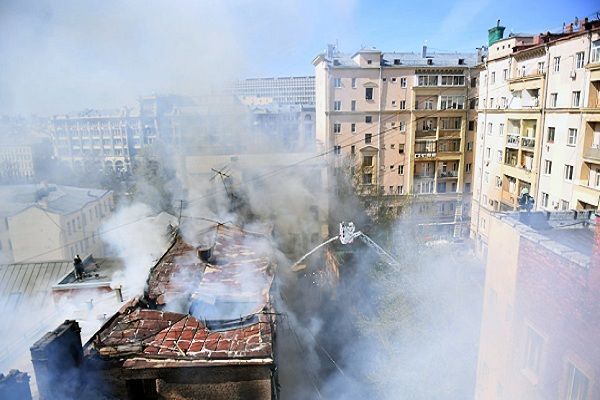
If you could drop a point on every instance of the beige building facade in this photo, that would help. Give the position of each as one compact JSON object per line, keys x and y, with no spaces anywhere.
{"x":403,"y":125}
{"x":538,"y":130}
{"x":52,"y":222}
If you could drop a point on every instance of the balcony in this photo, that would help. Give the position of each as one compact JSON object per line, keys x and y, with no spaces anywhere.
{"x":425,"y":134}
{"x":447,"y":174}
{"x":528,"y":143}
{"x":592,"y":153}
{"x":533,"y":80}
{"x":512,"y":140}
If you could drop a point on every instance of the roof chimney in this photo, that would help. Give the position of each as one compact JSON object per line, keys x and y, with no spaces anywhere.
{"x":424,"y":52}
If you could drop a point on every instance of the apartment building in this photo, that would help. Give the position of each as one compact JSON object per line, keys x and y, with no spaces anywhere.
{"x":290,"y":90}
{"x":48,"y":222}
{"x":541,"y":320}
{"x":110,"y":139}
{"x":22,"y":158}
{"x":404,"y":125}
{"x":538,"y":126}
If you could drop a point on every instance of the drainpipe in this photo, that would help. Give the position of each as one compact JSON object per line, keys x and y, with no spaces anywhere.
{"x":542,"y":123}
{"x":487,"y":86}
{"x":380,"y":152}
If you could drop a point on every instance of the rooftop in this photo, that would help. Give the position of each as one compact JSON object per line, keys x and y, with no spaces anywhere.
{"x":569,"y":234}
{"x":55,"y":199}
{"x":409,"y":59}
{"x":206,"y":303}
{"x":98,"y":272}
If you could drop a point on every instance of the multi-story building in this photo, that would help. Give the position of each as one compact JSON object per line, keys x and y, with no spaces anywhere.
{"x":293,"y":90}
{"x":541,"y":319}
{"x":404,"y":124}
{"x":111,"y":138}
{"x":51,"y":222}
{"x":22,"y":158}
{"x":538,"y":123}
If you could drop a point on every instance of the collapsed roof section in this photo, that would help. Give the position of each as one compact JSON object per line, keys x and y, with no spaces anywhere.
{"x":205,"y":304}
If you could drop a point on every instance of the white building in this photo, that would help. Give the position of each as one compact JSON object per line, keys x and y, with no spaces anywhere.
{"x":51,"y":222}
{"x":539,"y":123}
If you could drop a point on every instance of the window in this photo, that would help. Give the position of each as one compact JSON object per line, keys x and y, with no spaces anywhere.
{"x":401,"y":148}
{"x":427,"y":80}
{"x":337,"y":150}
{"x":369,"y":62}
{"x":575,"y":99}
{"x":337,"y":82}
{"x":474,"y":82}
{"x":572,"y":140}
{"x":337,"y":105}
{"x":550,"y":136}
{"x":568,"y":172}
{"x":486,"y":177}
{"x":469,"y":146}
{"x":556,"y":64}
{"x":353,"y":149}
{"x":493,"y":80}
{"x":533,"y":351}
{"x":471,"y":125}
{"x":393,"y":80}
{"x":490,"y":128}
{"x":367,"y":161}
{"x":501,"y":130}
{"x":353,"y":105}
{"x":428,"y":104}
{"x":337,"y":128}
{"x":564,"y":205}
{"x":468,"y":168}
{"x":505,"y":74}
{"x":402,"y":105}
{"x":452,"y":102}
{"x":547,"y":167}
{"x":577,"y":385}
{"x":553,"y":99}
{"x":402,"y":126}
{"x":368,"y":137}
{"x":453,"y":80}
{"x":369,"y":93}
{"x":491,"y":102}
{"x":400,"y":169}
{"x":403,"y":82}
{"x":579,"y":58}
{"x":353,"y":83}
{"x":368,"y":119}
{"x":545,"y":199}
{"x":488,"y":152}
{"x":499,"y":156}
{"x":367,"y":179}
{"x":353,"y":128}
{"x":541,"y":66}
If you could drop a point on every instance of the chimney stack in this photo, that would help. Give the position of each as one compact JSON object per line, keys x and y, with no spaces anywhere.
{"x":424,"y":51}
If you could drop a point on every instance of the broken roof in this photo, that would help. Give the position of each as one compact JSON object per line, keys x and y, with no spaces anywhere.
{"x":206,"y":310}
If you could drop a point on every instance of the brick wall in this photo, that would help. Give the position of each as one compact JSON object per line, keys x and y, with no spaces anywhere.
{"x":560,"y":300}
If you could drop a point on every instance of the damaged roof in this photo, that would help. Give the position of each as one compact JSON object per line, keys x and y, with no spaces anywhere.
{"x":210,"y":310}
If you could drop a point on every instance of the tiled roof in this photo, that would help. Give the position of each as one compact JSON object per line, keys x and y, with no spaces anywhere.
{"x":229,"y":320}
{"x":174,"y":335}
{"x":240,"y":273}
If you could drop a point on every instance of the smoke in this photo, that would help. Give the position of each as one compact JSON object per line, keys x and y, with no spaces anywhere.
{"x":138,"y":240}
{"x":58,"y":57}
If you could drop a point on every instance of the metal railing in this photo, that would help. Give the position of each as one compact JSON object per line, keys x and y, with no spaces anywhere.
{"x":447,"y":174}
{"x":528,"y":142}
{"x":512,"y":140}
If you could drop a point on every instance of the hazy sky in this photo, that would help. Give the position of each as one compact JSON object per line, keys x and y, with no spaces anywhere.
{"x":60,"y":56}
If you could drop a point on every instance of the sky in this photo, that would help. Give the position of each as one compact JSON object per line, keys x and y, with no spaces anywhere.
{"x":69,"y":55}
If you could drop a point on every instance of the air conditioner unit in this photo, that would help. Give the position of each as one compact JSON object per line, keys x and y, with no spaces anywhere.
{"x":573,"y":74}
